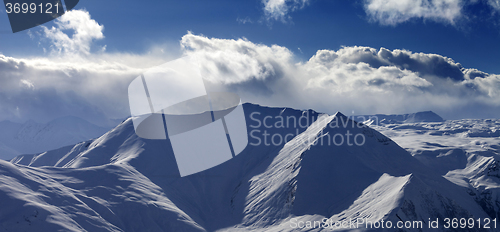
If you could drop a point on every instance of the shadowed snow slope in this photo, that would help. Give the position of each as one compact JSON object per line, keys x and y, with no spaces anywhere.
{"x":299,"y":166}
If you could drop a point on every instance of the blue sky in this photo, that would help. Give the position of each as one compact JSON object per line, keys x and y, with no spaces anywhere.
{"x":298,"y":48}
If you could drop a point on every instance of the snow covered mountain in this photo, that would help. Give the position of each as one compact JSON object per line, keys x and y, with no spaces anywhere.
{"x":300,"y":169}
{"x":425,"y":116}
{"x":32,"y":137}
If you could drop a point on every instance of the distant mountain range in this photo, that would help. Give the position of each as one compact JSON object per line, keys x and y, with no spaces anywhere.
{"x":425,"y":116}
{"x":120,"y":182}
{"x":32,"y":137}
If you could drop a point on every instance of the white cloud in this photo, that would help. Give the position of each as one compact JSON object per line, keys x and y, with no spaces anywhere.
{"x":392,"y":12}
{"x":495,"y":4}
{"x":27,"y":84}
{"x":279,"y":9}
{"x":85,"y":31}
{"x":235,"y":61}
{"x":387,"y":12}
{"x":244,"y":20}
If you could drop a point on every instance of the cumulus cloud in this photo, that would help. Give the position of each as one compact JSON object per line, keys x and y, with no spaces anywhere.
{"x":380,"y":80}
{"x":423,"y":64}
{"x":392,"y":12}
{"x":279,"y":9}
{"x":235,"y":61}
{"x":85,"y":31}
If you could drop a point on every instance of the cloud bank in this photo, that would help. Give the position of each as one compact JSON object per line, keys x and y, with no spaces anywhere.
{"x":74,"y":80}
{"x":359,"y":79}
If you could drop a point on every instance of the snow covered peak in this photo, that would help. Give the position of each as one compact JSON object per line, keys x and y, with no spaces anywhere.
{"x":425,"y":116}
{"x":339,"y":115}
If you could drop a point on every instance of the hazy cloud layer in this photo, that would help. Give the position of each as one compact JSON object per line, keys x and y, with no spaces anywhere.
{"x":93,"y":87}
{"x":44,"y":89}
